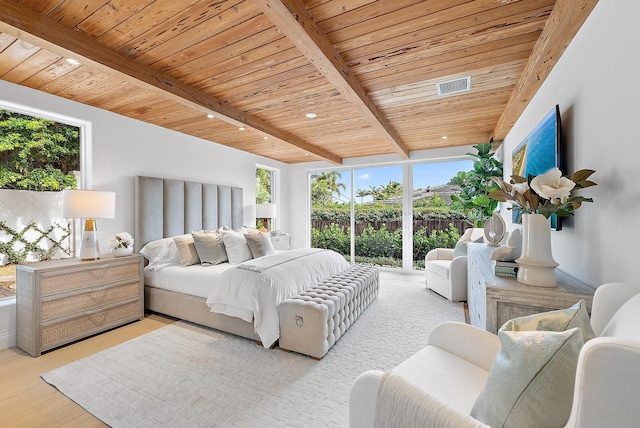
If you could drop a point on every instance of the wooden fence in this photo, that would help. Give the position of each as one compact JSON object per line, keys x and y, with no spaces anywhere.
{"x":392,"y":225}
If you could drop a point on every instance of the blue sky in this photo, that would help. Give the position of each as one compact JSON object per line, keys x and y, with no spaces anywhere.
{"x":424,"y":175}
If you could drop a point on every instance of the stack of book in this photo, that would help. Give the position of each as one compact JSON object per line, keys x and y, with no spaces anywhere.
{"x":502,"y":268}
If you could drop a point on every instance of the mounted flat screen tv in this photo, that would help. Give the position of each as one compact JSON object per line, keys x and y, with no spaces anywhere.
{"x":538,"y":153}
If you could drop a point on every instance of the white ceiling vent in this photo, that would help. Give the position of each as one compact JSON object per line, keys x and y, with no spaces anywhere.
{"x":454,"y":86}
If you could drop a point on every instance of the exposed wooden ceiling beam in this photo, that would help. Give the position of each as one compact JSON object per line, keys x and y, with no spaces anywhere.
{"x":25,"y":24}
{"x":564,"y":22}
{"x":296,"y":23}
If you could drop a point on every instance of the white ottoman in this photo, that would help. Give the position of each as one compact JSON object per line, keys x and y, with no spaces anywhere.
{"x":312,"y":321}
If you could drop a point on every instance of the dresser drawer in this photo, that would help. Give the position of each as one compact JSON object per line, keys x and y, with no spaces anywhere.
{"x":84,"y":324}
{"x":59,"y":306}
{"x":72,"y":279}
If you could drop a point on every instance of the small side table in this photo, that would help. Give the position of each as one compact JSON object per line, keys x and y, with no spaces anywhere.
{"x":281,"y":242}
{"x":493,"y":300}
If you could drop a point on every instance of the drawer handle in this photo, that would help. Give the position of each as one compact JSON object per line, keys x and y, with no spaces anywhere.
{"x":94,"y":311}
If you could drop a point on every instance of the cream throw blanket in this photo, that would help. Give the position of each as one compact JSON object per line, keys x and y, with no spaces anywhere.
{"x":403,"y":405}
{"x":263,"y":263}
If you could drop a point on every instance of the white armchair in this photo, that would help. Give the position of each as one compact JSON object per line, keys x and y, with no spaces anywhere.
{"x":448,"y":375}
{"x":446,"y":271}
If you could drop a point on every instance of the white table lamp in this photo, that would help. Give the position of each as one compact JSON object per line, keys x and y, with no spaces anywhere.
{"x":88,"y":204}
{"x":266,"y":211}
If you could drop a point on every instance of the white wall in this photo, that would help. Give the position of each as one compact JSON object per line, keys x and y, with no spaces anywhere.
{"x":123,"y":148}
{"x":596,"y":85}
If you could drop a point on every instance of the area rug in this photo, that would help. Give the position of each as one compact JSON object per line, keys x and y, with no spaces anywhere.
{"x":184,"y":375}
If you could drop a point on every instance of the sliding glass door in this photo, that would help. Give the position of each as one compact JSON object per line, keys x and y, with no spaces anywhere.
{"x":378,"y":216}
{"x":435,"y":224}
{"x":331,"y":211}
{"x":393,"y":216}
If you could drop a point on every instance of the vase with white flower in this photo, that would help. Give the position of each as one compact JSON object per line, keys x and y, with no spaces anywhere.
{"x":121,"y":245}
{"x":539,"y":197}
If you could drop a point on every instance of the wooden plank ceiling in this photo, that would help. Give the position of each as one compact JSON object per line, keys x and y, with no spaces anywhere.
{"x":367,"y":69}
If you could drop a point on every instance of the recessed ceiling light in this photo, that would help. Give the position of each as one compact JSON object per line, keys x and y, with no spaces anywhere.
{"x":311,"y":115}
{"x":73,"y":61}
{"x":444,"y":137}
{"x":210,"y":116}
{"x":265,"y":138}
{"x":242,"y":128}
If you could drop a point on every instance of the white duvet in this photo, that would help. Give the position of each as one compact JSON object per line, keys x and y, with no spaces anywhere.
{"x":253,"y":289}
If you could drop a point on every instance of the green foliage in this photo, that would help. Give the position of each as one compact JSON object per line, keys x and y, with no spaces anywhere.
{"x":423,"y":241}
{"x":382,"y":212}
{"x":325,"y":187}
{"x":333,"y":238}
{"x":263,"y":185}
{"x":379,"y":243}
{"x":476,"y":185}
{"x":383,"y":245}
{"x":384,"y":193}
{"x":433,"y":202}
{"x":37,"y":154}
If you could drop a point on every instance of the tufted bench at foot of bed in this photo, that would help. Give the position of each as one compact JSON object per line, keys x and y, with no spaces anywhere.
{"x":312,"y":321}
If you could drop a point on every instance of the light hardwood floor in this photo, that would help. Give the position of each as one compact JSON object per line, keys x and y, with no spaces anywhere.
{"x":28,"y":401}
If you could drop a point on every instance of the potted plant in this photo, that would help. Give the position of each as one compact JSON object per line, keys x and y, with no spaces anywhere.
{"x":476,"y":185}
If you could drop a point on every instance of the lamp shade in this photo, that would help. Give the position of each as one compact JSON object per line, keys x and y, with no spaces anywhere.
{"x":88,"y":204}
{"x":265,"y":210}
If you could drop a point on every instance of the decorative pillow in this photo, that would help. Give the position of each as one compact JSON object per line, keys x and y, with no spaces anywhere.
{"x":236,"y":246}
{"x":532,"y":378}
{"x":245,"y":230}
{"x":559,"y":320}
{"x":259,"y":244}
{"x":186,"y":250}
{"x":461,"y":246}
{"x":531,"y":381}
{"x":210,"y":247}
{"x":160,"y":252}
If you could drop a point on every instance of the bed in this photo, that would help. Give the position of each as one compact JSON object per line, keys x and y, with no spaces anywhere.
{"x":244,"y":296}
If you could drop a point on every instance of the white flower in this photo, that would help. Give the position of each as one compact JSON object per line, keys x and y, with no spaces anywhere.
{"x":122,"y":240}
{"x":113,"y":243}
{"x":519,"y":188}
{"x":553,"y":186}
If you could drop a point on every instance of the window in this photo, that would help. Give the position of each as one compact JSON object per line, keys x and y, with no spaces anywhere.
{"x":435,"y":223}
{"x":265,"y":197}
{"x":264,"y":185}
{"x":39,"y":157}
{"x":378,"y":215}
{"x":394,"y":215}
{"x":331,"y":211}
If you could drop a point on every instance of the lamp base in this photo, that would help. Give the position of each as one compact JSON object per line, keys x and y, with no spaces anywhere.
{"x":89,"y":249}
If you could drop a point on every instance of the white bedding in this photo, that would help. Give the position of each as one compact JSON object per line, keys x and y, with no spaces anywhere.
{"x":193,"y":280}
{"x":259,"y":285}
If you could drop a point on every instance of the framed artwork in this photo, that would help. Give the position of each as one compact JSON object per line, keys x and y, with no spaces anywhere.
{"x":537,"y":154}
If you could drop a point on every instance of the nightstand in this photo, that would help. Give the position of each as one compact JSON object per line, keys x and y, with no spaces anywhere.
{"x":60,"y":301}
{"x":281,"y":242}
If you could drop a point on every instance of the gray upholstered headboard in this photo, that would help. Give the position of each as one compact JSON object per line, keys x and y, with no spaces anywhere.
{"x":166,"y":207}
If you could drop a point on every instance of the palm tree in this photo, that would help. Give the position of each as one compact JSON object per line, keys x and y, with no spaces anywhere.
{"x":330,"y":180}
{"x":363,"y":193}
{"x":384,"y":193}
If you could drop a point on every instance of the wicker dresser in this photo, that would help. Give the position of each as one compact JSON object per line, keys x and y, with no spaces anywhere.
{"x":61,"y":301}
